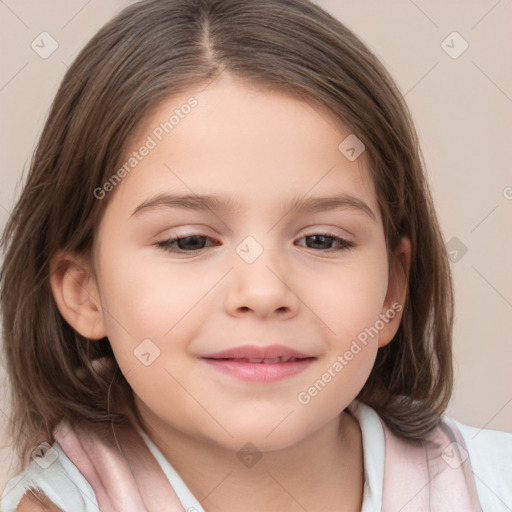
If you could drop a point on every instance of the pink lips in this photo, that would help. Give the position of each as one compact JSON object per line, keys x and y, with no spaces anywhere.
{"x":259,"y":364}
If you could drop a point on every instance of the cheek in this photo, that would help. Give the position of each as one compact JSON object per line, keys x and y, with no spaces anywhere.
{"x":146,"y":295}
{"x":148,"y":326}
{"x":349,"y":298}
{"x":146,"y":298}
{"x":137,"y":302}
{"x":350,"y":314}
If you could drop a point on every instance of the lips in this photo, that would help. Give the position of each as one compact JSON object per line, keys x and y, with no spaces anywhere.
{"x":253,"y":353}
{"x":274,"y":360}
{"x":259,"y":364}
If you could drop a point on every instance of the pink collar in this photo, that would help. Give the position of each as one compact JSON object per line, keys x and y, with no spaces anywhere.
{"x":120,"y":468}
{"x":433,"y":475}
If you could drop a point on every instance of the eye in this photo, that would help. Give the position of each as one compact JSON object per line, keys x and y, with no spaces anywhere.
{"x":325,"y":242}
{"x":186,"y":244}
{"x":193,"y":243}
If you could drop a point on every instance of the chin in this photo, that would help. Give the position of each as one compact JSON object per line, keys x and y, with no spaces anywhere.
{"x":266,"y":434}
{"x":254,"y":440}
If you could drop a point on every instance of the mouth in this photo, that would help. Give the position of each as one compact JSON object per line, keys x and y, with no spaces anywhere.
{"x":273,"y":360}
{"x":259,"y":364}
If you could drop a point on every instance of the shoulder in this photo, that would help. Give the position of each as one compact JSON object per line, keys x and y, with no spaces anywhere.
{"x":483,"y":456}
{"x":490,"y":454}
{"x":51,"y":482}
{"x":487,"y":444}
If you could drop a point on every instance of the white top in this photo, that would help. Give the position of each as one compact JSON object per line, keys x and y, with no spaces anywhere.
{"x":490,"y":454}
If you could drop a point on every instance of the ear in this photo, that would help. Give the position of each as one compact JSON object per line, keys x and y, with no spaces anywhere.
{"x":75,"y":291}
{"x":398,"y":284}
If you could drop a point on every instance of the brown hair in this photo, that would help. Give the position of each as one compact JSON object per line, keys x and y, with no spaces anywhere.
{"x":150,"y":51}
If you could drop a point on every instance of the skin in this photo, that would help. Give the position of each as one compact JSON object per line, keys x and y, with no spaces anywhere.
{"x":260,"y":149}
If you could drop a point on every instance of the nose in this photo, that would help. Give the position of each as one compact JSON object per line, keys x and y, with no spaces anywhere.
{"x":261,"y":288}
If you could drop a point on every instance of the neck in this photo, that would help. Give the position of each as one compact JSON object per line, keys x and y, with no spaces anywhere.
{"x":322,"y":472}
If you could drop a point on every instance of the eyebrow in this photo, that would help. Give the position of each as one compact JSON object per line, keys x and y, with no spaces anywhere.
{"x":214,"y":203}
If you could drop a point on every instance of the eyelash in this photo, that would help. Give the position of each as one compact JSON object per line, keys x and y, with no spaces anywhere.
{"x":167,"y":246}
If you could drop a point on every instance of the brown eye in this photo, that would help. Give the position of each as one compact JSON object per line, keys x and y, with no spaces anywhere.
{"x":184,"y":244}
{"x":326,"y":242}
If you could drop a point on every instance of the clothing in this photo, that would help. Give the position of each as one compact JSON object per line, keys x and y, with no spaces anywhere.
{"x":463,"y":468}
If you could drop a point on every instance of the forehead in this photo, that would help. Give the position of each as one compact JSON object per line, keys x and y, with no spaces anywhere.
{"x":242,"y":141}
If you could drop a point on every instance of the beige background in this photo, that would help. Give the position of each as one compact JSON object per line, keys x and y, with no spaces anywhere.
{"x":463,"y":111}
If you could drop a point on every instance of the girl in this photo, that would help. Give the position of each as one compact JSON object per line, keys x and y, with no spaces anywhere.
{"x":225,"y":287}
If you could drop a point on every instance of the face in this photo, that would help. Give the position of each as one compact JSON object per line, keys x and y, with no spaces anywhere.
{"x":285,"y":258}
